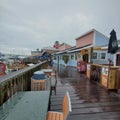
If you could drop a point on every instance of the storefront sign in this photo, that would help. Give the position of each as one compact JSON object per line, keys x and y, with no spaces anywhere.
{"x":88,"y":66}
{"x":105,"y":71}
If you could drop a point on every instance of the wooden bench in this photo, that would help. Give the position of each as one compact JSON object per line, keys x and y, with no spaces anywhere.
{"x":65,"y":114}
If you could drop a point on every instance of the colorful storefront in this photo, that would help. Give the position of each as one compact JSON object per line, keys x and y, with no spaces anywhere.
{"x":83,"y":49}
{"x":91,"y":48}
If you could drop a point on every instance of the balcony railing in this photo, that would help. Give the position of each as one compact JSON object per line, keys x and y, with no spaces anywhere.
{"x":18,"y":81}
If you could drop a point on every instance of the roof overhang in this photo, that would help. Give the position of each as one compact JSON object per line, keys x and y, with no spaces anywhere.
{"x":106,"y":47}
{"x":61,"y":52}
{"x":76,"y":50}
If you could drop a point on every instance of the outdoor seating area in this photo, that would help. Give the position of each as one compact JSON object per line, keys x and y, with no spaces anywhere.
{"x":24,"y":105}
{"x":75,"y":97}
{"x":44,"y":79}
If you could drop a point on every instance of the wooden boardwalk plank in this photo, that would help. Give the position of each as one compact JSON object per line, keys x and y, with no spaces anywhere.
{"x":97,"y":116}
{"x":89,"y":100}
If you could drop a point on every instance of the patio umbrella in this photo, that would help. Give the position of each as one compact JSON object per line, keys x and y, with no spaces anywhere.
{"x":113,"y":44}
{"x":112,"y":48}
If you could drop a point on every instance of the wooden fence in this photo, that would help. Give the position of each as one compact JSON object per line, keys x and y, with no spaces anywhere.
{"x":18,"y":81}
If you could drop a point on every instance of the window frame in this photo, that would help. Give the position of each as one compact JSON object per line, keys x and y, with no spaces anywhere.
{"x":93,"y":57}
{"x":101,"y":55}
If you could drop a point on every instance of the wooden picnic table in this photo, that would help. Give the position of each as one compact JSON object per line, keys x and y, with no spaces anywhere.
{"x":32,"y":105}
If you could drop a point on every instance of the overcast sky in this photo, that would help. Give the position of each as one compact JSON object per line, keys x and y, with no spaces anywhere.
{"x":26,"y":25}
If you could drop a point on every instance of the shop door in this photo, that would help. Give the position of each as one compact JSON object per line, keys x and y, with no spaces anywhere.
{"x":118,"y":60}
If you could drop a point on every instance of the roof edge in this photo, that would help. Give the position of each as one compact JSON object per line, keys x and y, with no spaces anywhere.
{"x":92,"y":30}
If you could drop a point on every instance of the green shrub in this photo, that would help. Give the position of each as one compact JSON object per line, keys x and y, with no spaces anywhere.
{"x":65,"y":58}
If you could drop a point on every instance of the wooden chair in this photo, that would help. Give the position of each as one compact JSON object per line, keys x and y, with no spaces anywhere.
{"x":65,"y":114}
{"x":53,"y":81}
{"x":54,"y":73}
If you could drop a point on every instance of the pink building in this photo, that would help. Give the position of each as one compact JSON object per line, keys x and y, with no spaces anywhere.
{"x":85,"y":40}
{"x":64,"y":46}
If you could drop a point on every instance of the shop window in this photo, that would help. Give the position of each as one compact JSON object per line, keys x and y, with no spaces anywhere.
{"x":72,"y":57}
{"x":54,"y":58}
{"x":76,"y":57}
{"x":85,"y":57}
{"x":94,"y":55}
{"x":60,"y":57}
{"x":103,"y":55}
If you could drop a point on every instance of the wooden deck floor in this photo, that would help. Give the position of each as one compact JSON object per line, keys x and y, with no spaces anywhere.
{"x":89,"y":100}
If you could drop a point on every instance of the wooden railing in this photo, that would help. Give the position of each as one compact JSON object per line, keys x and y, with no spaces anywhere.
{"x":18,"y":81}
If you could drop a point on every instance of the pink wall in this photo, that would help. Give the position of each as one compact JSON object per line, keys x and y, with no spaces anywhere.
{"x":64,"y":46}
{"x":85,"y":40}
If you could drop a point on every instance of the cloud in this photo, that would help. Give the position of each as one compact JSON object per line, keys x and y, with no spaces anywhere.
{"x":31,"y":24}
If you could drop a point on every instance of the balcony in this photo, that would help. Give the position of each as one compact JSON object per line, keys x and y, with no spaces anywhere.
{"x":90,"y":101}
